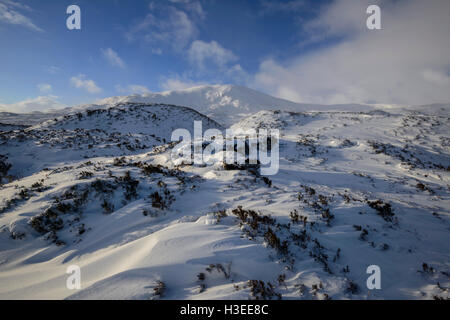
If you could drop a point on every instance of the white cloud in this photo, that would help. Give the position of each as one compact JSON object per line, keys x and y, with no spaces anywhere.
{"x":81,"y":83}
{"x":9,"y":14}
{"x":41,"y":103}
{"x":436,"y":77}
{"x":193,"y":7}
{"x":407,"y":62}
{"x":164,"y":27}
{"x":196,"y":9}
{"x":44,"y":87}
{"x":201,"y":52}
{"x":210,"y":63}
{"x":132,"y":88}
{"x":113,"y":58}
{"x":209,"y":60}
{"x":179,"y":84}
{"x":18,"y":5}
{"x":238,"y":74}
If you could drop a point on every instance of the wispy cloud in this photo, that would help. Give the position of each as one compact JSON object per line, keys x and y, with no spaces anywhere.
{"x":164,"y":27}
{"x":45,"y":87}
{"x":113,"y":58}
{"x":192,"y":6}
{"x":132,"y":88}
{"x":10,"y":14}
{"x":88,"y":85}
{"x":18,"y":5}
{"x":52,"y":69}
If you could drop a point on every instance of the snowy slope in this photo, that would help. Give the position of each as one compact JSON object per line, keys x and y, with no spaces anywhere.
{"x":95,"y":186}
{"x":119,"y":130}
{"x":228,"y":104}
{"x":225,"y":103}
{"x":354,"y":189}
{"x":28,"y":119}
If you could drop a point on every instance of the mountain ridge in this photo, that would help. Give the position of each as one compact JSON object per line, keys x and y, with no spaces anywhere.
{"x":226,"y":104}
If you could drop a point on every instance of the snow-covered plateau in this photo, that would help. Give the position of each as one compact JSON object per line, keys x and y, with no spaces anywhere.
{"x":94,"y":186}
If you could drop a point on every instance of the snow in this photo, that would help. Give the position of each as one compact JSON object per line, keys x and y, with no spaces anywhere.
{"x":338,"y":169}
{"x":224,"y":103}
{"x":27,"y":119}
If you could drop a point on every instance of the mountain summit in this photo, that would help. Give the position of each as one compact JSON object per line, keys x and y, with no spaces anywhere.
{"x":226,"y":104}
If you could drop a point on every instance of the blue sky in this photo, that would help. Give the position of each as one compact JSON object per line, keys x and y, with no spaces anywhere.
{"x":306,"y":51}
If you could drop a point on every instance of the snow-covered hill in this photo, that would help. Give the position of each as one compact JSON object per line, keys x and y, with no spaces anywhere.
{"x":225,"y":103}
{"x":97,"y":188}
{"x":122,"y":129}
{"x":28,"y":119}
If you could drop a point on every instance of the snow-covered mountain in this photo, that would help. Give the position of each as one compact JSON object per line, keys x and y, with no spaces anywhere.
{"x":96,"y":188}
{"x":226,"y":104}
{"x":126,"y":128}
{"x":28,"y":118}
{"x":223,"y":103}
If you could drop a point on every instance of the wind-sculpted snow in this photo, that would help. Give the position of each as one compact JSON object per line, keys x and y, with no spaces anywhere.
{"x":354,"y":189}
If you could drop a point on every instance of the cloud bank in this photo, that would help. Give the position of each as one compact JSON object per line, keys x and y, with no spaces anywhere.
{"x":407,"y":62}
{"x":201,"y":52}
{"x":41,"y":103}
